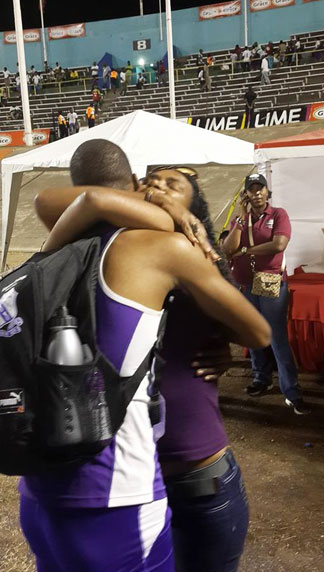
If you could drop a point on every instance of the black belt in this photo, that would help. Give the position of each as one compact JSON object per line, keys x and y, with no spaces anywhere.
{"x":200,"y":482}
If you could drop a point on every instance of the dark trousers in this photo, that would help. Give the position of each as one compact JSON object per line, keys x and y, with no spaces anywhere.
{"x":209,"y":531}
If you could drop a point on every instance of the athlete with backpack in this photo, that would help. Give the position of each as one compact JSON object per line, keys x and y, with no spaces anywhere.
{"x":140,"y":267}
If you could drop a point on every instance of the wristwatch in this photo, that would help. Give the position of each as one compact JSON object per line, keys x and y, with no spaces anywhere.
{"x":244,"y":249}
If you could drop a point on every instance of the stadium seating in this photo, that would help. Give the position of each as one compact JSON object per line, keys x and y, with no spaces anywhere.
{"x":290,"y":85}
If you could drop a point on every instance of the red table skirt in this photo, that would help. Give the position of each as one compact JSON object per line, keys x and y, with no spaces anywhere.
{"x":306,"y":320}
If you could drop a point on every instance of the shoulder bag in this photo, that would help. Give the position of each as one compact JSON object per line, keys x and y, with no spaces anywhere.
{"x":264,"y":283}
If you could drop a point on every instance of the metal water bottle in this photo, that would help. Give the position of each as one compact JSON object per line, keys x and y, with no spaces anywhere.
{"x":64,"y":346}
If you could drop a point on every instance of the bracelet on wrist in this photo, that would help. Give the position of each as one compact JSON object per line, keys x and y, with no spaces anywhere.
{"x":239,"y":221}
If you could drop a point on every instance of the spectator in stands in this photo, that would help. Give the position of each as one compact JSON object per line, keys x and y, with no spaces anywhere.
{"x":201,"y":79}
{"x":6,"y":77}
{"x":207,"y":78}
{"x":57,"y":67}
{"x":318,"y":53}
{"x":15,"y":112}
{"x":282,"y":49}
{"x":123,"y":83}
{"x":63,"y":129}
{"x":246,"y":59}
{"x":200,"y":58}
{"x":290,"y":52}
{"x":249,"y":98}
{"x":106,"y":72}
{"x":269,"y":48}
{"x":91,"y":115}
{"x":74,"y":76}
{"x":265,"y":79}
{"x":140,"y":81}
{"x":255,"y":58}
{"x":236,"y":66}
{"x":36,"y":82}
{"x":58,"y":75}
{"x":5,"y":95}
{"x":238,"y":51}
{"x":17,"y":84}
{"x":210,"y":60}
{"x":32,"y":70}
{"x":94,"y":71}
{"x":299,"y":48}
{"x":1,"y":96}
{"x":72,"y":119}
{"x":161,"y":73}
{"x":129,"y":71}
{"x":46,"y":67}
{"x":114,"y":80}
{"x":96,"y":99}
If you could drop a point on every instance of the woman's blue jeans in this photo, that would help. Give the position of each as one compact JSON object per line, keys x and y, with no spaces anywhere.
{"x":209,"y":531}
{"x":274,"y":310}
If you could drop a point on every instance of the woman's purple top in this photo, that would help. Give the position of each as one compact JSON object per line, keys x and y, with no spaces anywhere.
{"x":194,"y":425}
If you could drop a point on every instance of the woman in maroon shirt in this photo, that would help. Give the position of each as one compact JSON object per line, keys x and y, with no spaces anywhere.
{"x":271,"y":231}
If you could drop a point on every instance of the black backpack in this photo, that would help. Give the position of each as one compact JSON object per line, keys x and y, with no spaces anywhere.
{"x":40,"y":402}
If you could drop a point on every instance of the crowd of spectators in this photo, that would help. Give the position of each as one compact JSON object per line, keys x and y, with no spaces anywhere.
{"x":283,"y":54}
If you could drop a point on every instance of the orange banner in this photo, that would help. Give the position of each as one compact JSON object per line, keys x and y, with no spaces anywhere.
{"x":259,"y":5}
{"x":68,"y":31}
{"x":17,"y":138}
{"x":219,"y":10}
{"x":33,"y":35}
{"x":305,"y":1}
{"x":316,"y":111}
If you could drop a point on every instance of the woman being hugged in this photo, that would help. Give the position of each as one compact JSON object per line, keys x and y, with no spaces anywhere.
{"x":257,"y":243}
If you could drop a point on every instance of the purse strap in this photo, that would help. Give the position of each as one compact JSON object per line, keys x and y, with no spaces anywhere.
{"x":251,"y":242}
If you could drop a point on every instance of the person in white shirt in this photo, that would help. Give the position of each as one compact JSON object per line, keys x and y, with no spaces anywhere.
{"x":17,"y":84}
{"x":106,"y":71}
{"x":123,"y":82}
{"x":94,"y":71}
{"x":72,"y":118}
{"x":246,"y":61}
{"x":6,"y":76}
{"x":36,"y":82}
{"x":265,"y":71}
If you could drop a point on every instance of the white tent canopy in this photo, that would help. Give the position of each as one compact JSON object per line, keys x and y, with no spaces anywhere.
{"x":294,"y":168}
{"x":146,"y":138}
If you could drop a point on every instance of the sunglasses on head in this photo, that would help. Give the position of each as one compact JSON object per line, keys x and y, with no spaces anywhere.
{"x":184,"y":170}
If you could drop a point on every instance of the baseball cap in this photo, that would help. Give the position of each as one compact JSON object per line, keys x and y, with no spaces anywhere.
{"x":255,"y":178}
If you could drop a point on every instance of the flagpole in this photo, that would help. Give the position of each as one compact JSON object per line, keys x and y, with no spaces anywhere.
{"x":170,"y":58}
{"x":246,"y":43}
{"x":161,"y":23}
{"x":22,"y":72}
{"x":43,"y":31}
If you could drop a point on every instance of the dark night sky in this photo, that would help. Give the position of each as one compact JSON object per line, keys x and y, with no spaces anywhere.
{"x":73,"y":11}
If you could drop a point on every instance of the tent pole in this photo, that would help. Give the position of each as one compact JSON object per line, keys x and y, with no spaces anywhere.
{"x":170,"y":58}
{"x":22,"y":73}
{"x":9,"y":208}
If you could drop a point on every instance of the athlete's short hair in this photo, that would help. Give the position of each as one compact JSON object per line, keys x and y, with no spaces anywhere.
{"x":100,"y":162}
